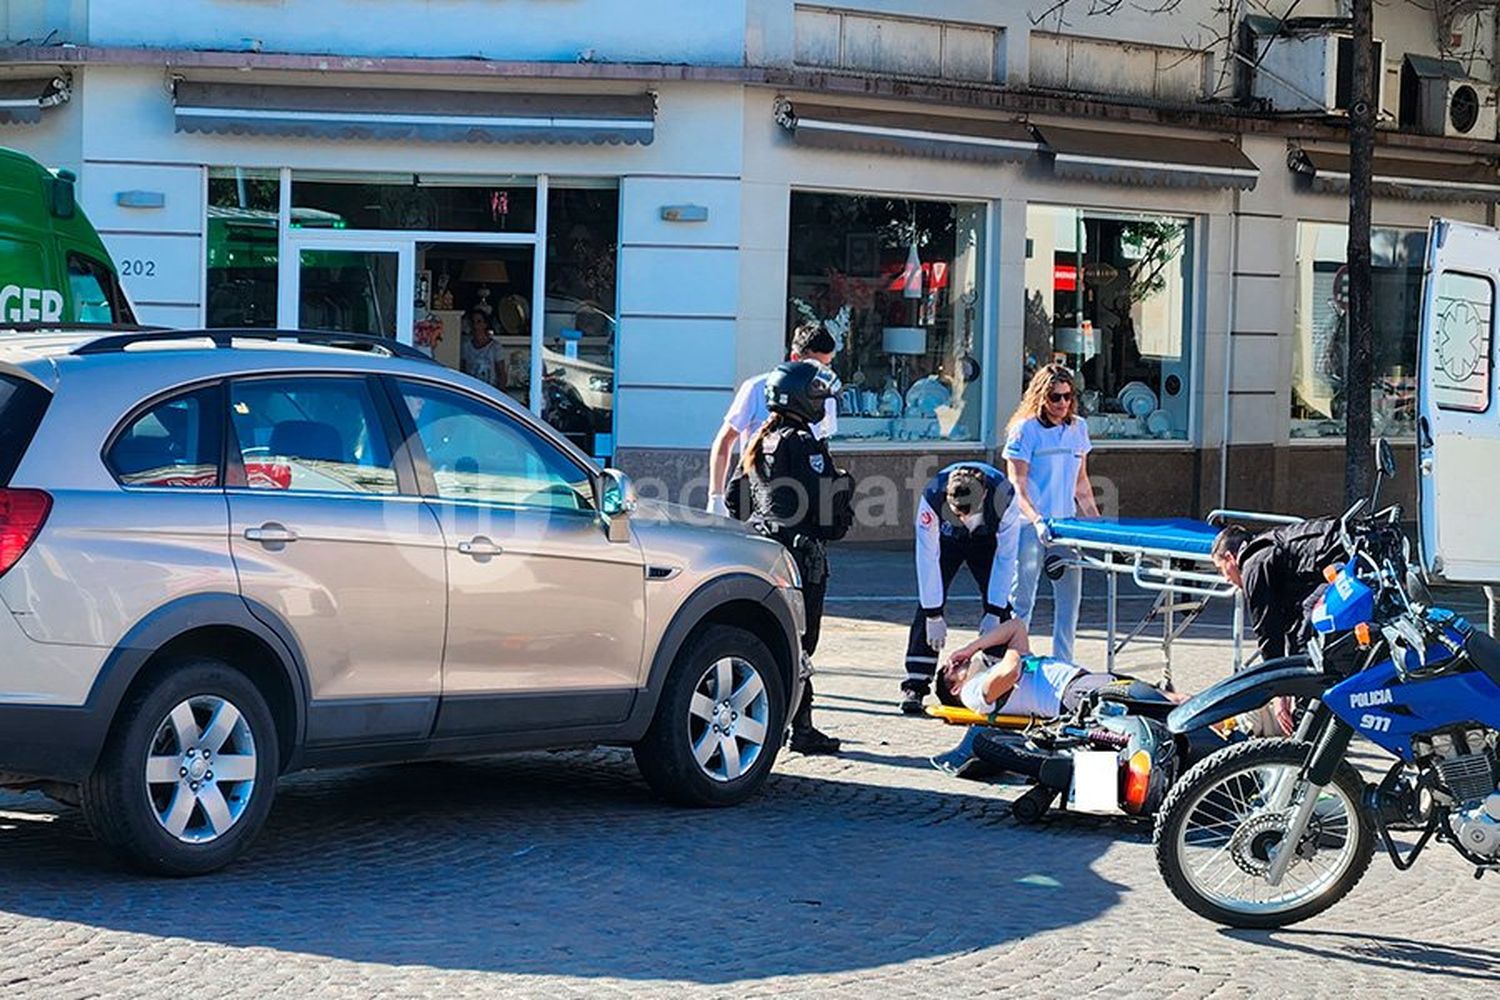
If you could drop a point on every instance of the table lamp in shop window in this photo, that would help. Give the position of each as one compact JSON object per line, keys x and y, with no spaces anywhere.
{"x":903,"y":342}
{"x":485,"y":273}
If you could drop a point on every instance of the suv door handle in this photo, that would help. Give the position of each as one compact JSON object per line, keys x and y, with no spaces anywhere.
{"x":271,"y":533}
{"x":479,"y":547}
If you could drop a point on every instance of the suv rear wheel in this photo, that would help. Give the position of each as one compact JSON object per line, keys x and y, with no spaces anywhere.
{"x":719,"y":723}
{"x":187,"y":776}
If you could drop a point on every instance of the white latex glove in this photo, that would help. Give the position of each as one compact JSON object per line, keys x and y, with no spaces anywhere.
{"x":937,"y":632}
{"x":1043,"y":533}
{"x":716,"y":505}
{"x":988,"y":623}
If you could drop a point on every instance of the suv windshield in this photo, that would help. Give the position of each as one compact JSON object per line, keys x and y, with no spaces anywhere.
{"x":22,"y":404}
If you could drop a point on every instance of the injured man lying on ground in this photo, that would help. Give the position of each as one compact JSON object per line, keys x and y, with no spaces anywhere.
{"x":997,"y":674}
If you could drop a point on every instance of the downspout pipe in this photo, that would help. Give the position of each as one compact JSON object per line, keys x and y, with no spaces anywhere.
{"x":1234,"y":266}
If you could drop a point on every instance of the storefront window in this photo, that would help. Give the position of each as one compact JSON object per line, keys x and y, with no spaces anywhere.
{"x":243,"y":208}
{"x":578,"y":341}
{"x":898,"y":283}
{"x":412,"y":201}
{"x":1109,"y":295}
{"x":1322,"y":329}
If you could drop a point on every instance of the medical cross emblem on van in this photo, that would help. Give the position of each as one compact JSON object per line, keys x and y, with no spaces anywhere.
{"x":54,"y":268}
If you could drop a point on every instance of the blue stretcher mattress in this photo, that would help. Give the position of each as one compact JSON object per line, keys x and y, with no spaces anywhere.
{"x":1172,"y":534}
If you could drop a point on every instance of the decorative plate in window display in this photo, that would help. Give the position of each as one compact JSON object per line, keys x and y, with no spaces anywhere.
{"x":926,"y":395}
{"x":1137,"y":399}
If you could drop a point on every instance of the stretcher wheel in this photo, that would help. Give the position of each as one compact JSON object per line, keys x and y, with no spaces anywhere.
{"x":1031,"y":807}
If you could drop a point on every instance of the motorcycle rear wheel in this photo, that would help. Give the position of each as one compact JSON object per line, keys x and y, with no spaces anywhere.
{"x":1216,"y":836}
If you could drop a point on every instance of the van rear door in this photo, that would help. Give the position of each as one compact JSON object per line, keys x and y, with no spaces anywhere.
{"x":1458,"y":430}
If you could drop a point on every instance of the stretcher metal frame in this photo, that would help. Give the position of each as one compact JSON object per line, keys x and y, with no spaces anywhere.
{"x":1158,"y":569}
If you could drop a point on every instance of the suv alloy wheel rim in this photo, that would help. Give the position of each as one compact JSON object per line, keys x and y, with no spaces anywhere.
{"x":729,"y":714}
{"x":200,"y":769}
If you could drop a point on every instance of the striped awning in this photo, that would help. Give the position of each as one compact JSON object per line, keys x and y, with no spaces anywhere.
{"x":427,"y":115}
{"x":23,"y":98}
{"x":1446,"y":179}
{"x":1124,"y":157}
{"x":946,"y":136}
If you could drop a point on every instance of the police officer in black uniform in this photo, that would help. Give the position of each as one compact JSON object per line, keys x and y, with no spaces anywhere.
{"x":800,"y":499}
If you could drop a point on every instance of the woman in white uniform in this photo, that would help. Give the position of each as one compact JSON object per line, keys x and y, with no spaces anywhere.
{"x":1046,"y":460}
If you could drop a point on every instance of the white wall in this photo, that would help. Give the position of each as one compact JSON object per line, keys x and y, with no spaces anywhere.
{"x":690,"y":31}
{"x":34,"y":20}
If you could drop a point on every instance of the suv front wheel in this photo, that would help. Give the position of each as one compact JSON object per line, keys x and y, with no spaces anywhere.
{"x":187,"y":776}
{"x":719,"y":723}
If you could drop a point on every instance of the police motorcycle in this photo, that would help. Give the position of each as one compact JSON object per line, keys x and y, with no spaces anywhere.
{"x":1273,"y":831}
{"x":1113,"y":757}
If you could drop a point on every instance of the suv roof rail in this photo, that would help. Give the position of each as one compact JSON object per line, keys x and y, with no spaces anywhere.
{"x":226,"y":336}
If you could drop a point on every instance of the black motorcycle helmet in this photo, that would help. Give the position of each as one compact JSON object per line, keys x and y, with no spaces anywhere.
{"x":801,"y":389}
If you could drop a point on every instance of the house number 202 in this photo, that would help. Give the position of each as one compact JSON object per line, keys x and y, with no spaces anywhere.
{"x":138,"y":268}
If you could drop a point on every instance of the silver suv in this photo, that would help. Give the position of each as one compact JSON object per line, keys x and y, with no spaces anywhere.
{"x":228,"y":555}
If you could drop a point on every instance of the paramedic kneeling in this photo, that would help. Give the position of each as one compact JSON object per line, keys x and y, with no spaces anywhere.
{"x":967,"y":516}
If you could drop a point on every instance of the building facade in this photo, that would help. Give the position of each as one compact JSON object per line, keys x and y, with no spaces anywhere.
{"x":644,"y":203}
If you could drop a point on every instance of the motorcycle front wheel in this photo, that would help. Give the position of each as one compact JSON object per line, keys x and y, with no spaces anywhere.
{"x":1225,"y":820}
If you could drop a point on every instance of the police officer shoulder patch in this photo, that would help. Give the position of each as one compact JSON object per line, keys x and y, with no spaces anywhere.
{"x":818,"y":464}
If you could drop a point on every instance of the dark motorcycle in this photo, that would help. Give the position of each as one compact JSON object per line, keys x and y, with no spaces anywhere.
{"x":1274,"y":831}
{"x":1115,"y":756}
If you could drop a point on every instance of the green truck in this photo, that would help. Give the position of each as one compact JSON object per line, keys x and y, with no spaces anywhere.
{"x":54,"y":269}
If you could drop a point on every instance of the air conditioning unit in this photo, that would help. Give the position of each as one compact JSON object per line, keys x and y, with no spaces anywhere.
{"x":1308,"y":65}
{"x":1438,"y":98}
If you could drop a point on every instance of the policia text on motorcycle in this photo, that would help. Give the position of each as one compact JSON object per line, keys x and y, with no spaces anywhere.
{"x":799,"y":498}
{"x":967,"y":516}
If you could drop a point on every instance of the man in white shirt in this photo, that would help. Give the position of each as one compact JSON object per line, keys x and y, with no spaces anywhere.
{"x":810,"y":342}
{"x":998,"y":674}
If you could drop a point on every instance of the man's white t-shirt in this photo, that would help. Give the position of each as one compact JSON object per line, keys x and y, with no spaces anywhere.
{"x":1039,"y":689}
{"x":748,"y":412}
{"x":1054,"y":455}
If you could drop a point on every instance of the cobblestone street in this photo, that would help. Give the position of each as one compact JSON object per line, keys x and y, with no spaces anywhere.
{"x":557,"y":874}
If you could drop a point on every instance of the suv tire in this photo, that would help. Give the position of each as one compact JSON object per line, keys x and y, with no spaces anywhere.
{"x":719,"y":722}
{"x":159,"y":804}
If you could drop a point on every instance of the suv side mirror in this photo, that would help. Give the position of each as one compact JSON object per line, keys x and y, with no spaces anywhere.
{"x":616,"y":502}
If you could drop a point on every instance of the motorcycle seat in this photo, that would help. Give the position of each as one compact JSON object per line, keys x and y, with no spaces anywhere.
{"x":1149,"y":703}
{"x":1484,"y":651}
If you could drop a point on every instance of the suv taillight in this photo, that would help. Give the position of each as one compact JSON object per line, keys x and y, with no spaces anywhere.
{"x":22,"y":514}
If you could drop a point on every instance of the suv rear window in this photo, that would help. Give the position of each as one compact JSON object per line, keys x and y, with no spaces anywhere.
{"x":174,"y":443}
{"x":22,"y":404}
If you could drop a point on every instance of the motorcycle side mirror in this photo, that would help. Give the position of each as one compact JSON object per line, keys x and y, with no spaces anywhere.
{"x":1385,"y":468}
{"x":1385,"y":458}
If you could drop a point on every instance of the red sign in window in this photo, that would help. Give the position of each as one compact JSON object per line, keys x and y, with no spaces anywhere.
{"x":1064,"y":278}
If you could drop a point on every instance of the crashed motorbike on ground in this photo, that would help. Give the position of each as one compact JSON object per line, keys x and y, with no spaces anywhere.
{"x":1271,"y":832}
{"x":1113,"y":757}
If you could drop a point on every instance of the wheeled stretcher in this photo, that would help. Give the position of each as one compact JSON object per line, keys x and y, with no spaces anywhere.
{"x":1165,"y":556}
